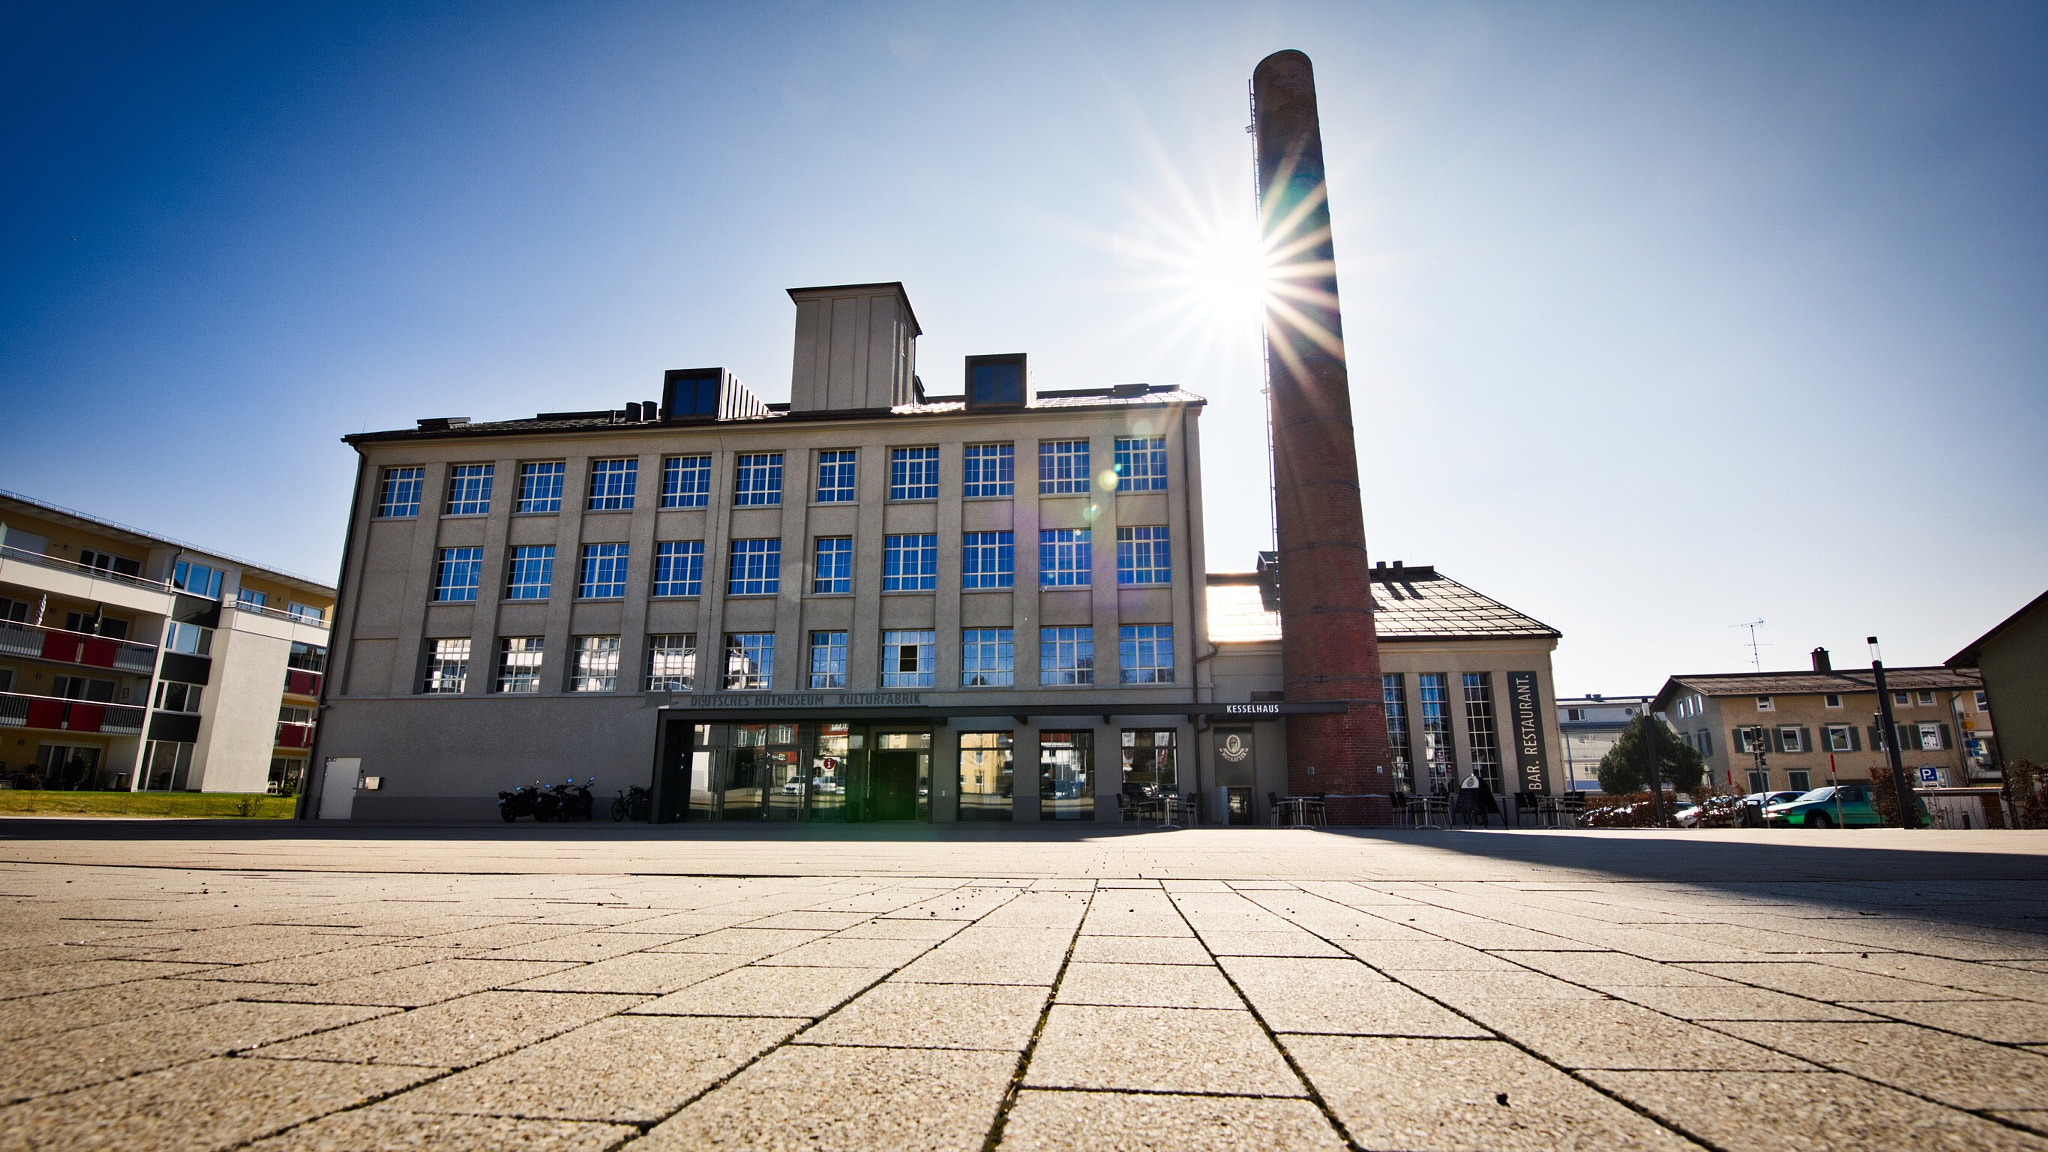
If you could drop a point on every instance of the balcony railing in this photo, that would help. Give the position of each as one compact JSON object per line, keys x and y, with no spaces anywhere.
{"x":294,"y":735}
{"x":301,"y":682}
{"x":46,"y":561}
{"x":18,"y":710}
{"x":254,"y":608}
{"x":75,"y":648}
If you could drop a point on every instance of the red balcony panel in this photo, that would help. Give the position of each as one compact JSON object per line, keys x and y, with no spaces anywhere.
{"x":60,"y":646}
{"x":99,"y":653}
{"x":45,"y":713}
{"x":84,"y":718}
{"x":300,"y":682}
{"x":294,"y":736}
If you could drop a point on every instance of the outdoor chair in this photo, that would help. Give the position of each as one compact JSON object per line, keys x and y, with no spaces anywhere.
{"x":1528,"y":806}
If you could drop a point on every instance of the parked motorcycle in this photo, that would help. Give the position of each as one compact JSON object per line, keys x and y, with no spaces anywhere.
{"x":635,"y":803}
{"x":547,"y":803}
{"x":573,"y":801}
{"x":521,"y":801}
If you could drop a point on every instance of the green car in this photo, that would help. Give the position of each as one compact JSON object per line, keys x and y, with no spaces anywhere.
{"x":1835,"y":806}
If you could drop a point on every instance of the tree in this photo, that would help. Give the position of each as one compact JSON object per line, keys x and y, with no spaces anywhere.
{"x":1625,"y":768}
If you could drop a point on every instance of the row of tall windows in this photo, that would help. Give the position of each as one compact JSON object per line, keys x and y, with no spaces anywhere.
{"x":910,"y":563}
{"x":1430,"y":767}
{"x":909,"y":659}
{"x":987,"y":470}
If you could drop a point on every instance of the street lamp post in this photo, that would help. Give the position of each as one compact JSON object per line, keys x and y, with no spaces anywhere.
{"x":1901,"y":787}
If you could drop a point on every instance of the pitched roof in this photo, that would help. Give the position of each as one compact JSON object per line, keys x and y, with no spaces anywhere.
{"x":1420,"y":607}
{"x":1810,"y":683}
{"x":1967,"y":658}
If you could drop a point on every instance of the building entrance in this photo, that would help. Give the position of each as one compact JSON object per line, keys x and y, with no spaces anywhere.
{"x":810,"y":771}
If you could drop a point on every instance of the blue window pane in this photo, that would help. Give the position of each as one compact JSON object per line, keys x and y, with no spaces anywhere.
{"x":1062,"y":467}
{"x":836,"y":477}
{"x":400,"y":494}
{"x":990,"y":470}
{"x":910,"y":563}
{"x":1141,"y":464}
{"x":533,"y":572}
{"x":612,"y":483}
{"x":1065,"y":558}
{"x":457,"y":575}
{"x":679,"y":568}
{"x":540,"y":487}
{"x":913,"y":474}
{"x":1145,"y":654}
{"x":988,"y":560}
{"x":756,"y":568}
{"x":757,"y":479}
{"x":1144,"y":555}
{"x":469,"y":490}
{"x":604,"y":572}
{"x":686,"y":482}
{"x":833,"y":572}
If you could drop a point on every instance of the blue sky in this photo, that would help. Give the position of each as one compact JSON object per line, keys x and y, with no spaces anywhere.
{"x":1661,"y":317}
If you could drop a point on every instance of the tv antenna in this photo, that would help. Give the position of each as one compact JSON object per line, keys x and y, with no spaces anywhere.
{"x":1755,"y":656}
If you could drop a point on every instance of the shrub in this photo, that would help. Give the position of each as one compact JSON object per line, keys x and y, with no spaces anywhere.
{"x":2026,"y":785}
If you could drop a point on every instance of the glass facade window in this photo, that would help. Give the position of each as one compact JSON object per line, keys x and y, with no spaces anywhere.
{"x":828,"y":660}
{"x":1062,"y":467}
{"x":305,"y":612}
{"x":1143,"y":555}
{"x":457,"y":573}
{"x":1066,"y":656}
{"x":672,"y":662}
{"x":988,"y":657}
{"x":836,"y":471}
{"x":399,"y":495}
{"x":306,"y":657}
{"x":913,"y":473}
{"x":532,"y":573}
{"x":749,"y":661}
{"x":604,"y":572}
{"x":910,"y":563}
{"x":756,"y":568}
{"x":1145,"y":654}
{"x":1141,"y":463}
{"x":612,"y":484}
{"x":909,"y":659}
{"x":519,"y":660}
{"x":172,"y":696}
{"x":1149,"y":762}
{"x":196,"y":578}
{"x":1435,"y":700}
{"x":686,"y":482}
{"x":469,"y":490}
{"x":1066,"y":558}
{"x":679,"y":568}
{"x":1066,"y":775}
{"x":988,"y":560}
{"x":757,"y":479}
{"x":832,"y":572}
{"x":1394,"y":693}
{"x":1479,"y":725}
{"x":540,"y":486}
{"x":597,"y":664}
{"x":989,"y":470}
{"x":988,"y":775}
{"x":190,"y":639}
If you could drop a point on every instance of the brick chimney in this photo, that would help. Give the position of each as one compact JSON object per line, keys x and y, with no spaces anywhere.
{"x":1329,"y":649}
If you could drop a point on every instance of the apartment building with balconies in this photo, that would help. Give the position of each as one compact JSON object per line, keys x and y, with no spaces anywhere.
{"x":132,"y":662}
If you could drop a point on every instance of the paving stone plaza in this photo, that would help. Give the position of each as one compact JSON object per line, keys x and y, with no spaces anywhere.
{"x":178,"y":985}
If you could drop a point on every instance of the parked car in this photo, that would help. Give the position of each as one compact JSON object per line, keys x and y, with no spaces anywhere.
{"x":1836,"y":805}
